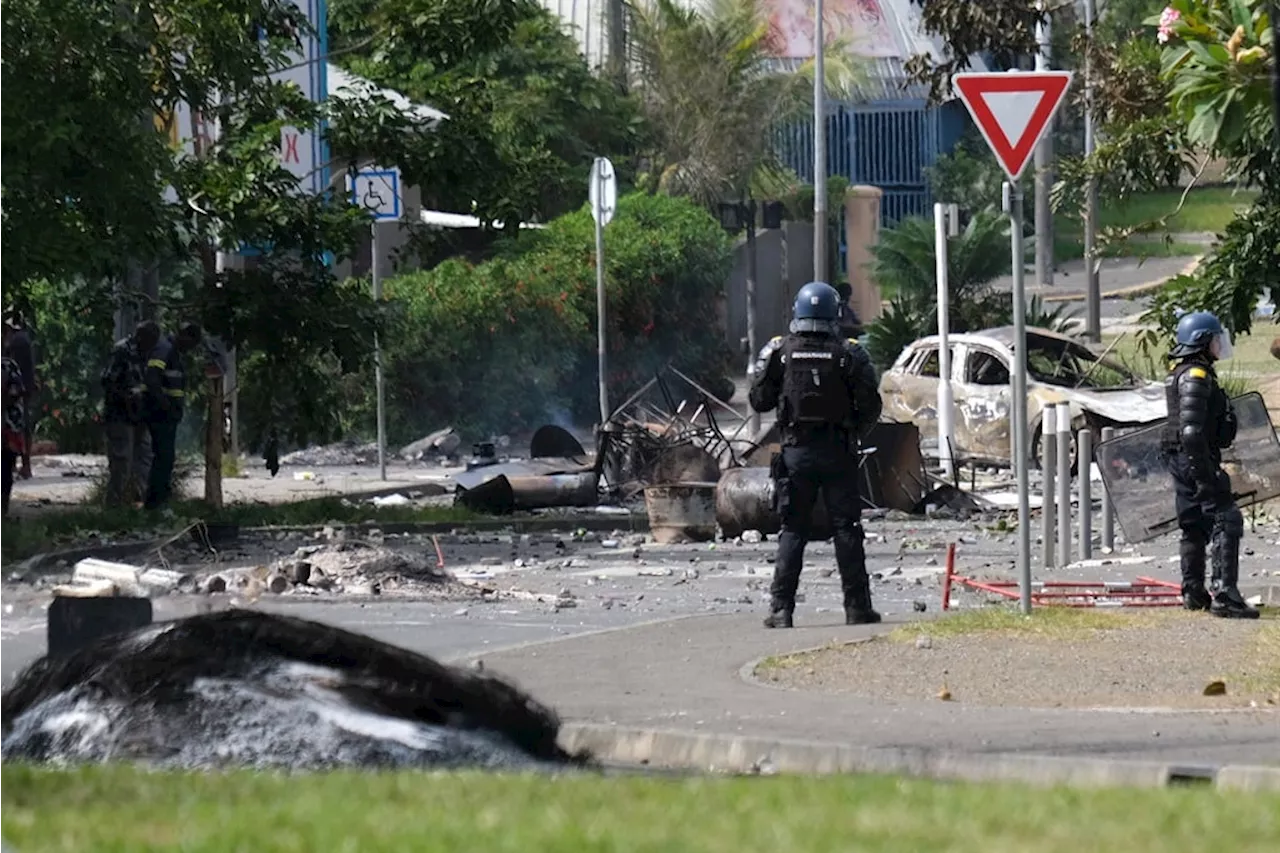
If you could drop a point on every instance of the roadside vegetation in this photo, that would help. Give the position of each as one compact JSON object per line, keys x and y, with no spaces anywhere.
{"x":125,"y":808}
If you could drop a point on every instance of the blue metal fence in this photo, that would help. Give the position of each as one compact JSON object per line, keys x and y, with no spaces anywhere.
{"x":885,"y":144}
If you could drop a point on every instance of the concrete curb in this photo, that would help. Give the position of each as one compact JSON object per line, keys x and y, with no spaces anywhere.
{"x":1127,"y":292}
{"x":672,"y":749}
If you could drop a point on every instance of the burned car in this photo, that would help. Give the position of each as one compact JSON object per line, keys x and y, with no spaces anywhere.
{"x":1099,"y":391}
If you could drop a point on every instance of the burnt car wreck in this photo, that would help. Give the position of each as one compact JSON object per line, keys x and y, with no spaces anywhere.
{"x":1100,"y":392}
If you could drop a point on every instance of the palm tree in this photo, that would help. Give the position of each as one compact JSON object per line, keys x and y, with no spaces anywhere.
{"x":712,"y":93}
{"x":904,"y":267}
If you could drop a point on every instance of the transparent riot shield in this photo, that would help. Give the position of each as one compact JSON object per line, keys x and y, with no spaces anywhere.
{"x":1141,"y":488}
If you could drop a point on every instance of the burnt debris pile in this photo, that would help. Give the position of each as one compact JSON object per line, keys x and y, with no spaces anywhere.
{"x":242,"y":688}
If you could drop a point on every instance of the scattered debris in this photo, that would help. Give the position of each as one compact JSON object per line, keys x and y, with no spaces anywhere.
{"x":339,"y":453}
{"x":441,"y":443}
{"x":127,"y":580}
{"x":355,"y":567}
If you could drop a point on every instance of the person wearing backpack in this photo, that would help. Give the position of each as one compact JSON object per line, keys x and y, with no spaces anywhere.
{"x":826,"y":392}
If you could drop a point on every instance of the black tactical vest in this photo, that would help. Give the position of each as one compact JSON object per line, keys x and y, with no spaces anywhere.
{"x":1216,"y":418}
{"x":813,"y":388}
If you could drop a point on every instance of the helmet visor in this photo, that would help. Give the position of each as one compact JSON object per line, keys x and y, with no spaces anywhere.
{"x":1220,"y":347}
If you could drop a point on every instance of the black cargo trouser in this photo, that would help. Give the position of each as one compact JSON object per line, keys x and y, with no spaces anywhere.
{"x":830,"y":467}
{"x":164,"y":450}
{"x":1213,"y":522}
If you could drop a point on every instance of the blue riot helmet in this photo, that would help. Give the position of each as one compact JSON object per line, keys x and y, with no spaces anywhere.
{"x":1200,"y":331}
{"x":817,"y":308}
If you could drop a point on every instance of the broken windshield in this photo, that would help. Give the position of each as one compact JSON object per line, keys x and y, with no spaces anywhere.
{"x":1069,"y":364}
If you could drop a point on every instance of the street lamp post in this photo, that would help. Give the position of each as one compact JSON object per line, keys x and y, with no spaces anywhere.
{"x":734,"y":216}
{"x":819,"y":147}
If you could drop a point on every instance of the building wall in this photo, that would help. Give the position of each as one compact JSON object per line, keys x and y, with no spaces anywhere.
{"x":776,"y":288}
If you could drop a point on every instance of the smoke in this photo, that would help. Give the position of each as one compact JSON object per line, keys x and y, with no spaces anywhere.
{"x":560,"y":416}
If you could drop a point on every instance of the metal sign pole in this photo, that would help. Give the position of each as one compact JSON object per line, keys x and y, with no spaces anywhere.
{"x":1013,"y":204}
{"x":377,"y":355}
{"x":601,"y":353}
{"x":819,"y":149}
{"x":946,"y":426}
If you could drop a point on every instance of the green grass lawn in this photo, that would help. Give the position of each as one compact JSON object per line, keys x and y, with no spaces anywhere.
{"x":1252,"y":358}
{"x":118,"y":809}
{"x":1070,"y":247}
{"x":1208,"y":209}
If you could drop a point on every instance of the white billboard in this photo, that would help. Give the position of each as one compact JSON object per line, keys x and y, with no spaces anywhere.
{"x":302,"y":150}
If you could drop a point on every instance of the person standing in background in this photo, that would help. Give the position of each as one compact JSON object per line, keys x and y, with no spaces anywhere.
{"x":15,"y":430}
{"x":18,"y":347}
{"x":124,"y":398}
{"x":166,"y":381}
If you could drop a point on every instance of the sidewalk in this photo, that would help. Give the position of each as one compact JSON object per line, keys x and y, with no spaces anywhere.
{"x":688,"y":674}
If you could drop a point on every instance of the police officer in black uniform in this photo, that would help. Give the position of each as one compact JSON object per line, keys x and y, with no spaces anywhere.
{"x":1199,"y":425}
{"x":850,"y":323}
{"x":827,"y":395}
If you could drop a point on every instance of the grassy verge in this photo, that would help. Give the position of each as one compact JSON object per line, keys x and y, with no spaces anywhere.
{"x":1070,"y":247}
{"x":1207,"y":210}
{"x":56,"y":528}
{"x":1058,"y":623}
{"x":1252,"y":358}
{"x":118,"y":808}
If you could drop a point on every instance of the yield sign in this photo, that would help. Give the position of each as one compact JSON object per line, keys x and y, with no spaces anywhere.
{"x":1013,"y":109}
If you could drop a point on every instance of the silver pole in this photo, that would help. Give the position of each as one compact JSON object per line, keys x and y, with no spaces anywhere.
{"x":377,"y":354}
{"x":1084,"y":451}
{"x":1093,"y":288}
{"x":1044,"y":179}
{"x":749,"y":208}
{"x":1108,"y":518}
{"x":819,"y":148}
{"x":1064,"y":483}
{"x":601,"y":354}
{"x":946,"y":397}
{"x":1013,"y":199}
{"x":1048,"y":469}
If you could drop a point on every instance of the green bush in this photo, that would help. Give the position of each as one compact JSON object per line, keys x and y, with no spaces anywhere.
{"x":71,"y":331}
{"x":511,"y":342}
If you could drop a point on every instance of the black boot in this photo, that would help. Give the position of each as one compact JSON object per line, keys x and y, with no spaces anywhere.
{"x":779,"y":617}
{"x":1195,"y":597}
{"x":1230,"y":604}
{"x":851,"y":557}
{"x":1225,"y":557}
{"x":1192,"y":563}
{"x":857,"y":600}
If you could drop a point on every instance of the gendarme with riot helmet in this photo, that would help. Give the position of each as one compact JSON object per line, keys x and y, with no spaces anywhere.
{"x":826,"y":393}
{"x":1199,"y":425}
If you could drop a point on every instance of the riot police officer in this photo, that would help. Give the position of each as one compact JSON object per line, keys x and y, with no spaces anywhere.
{"x":827,"y":396}
{"x":1199,"y":425}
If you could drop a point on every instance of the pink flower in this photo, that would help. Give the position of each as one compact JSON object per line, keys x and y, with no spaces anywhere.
{"x":1168,"y":18}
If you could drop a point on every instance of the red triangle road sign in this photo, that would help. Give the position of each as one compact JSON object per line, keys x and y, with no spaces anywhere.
{"x":1012,"y":109}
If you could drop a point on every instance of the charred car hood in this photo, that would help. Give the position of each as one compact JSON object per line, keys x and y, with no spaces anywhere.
{"x":1142,"y":405}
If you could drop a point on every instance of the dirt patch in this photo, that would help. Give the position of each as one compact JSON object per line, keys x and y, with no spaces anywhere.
{"x":1152,"y":660}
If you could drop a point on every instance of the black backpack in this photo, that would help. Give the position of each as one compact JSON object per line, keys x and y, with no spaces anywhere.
{"x":813,"y":388}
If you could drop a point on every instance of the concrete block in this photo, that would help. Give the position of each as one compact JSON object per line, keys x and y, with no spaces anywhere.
{"x":76,"y":622}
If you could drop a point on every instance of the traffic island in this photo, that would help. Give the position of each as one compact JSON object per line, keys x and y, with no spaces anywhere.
{"x":1056,"y":658}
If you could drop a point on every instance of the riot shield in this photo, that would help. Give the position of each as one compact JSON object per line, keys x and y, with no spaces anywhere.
{"x":1141,"y":487}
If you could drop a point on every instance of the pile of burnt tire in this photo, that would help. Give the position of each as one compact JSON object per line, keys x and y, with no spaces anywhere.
{"x":241,"y":688}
